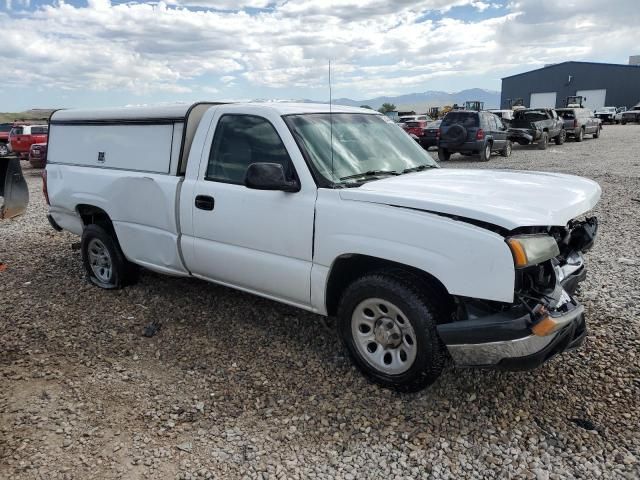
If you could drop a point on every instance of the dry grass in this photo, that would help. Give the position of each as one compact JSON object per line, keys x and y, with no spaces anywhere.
{"x":38,"y":114}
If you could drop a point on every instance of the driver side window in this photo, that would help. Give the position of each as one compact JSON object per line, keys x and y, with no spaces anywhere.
{"x":241,"y":140}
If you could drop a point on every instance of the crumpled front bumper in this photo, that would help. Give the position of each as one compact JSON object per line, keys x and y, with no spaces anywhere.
{"x":505,"y":340}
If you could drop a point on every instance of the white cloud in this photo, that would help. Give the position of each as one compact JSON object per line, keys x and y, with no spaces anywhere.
{"x":480,"y":6}
{"x":376,"y":46}
{"x":9,"y":4}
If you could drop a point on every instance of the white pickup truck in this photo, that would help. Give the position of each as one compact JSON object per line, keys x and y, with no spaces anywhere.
{"x":339,"y":213}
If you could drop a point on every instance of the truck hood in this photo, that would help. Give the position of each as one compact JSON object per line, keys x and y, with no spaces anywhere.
{"x":509,"y":199}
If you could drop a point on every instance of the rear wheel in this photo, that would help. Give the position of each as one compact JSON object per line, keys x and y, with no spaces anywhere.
{"x":4,"y":150}
{"x":104,"y":262}
{"x":623,"y":122}
{"x":544,"y":141}
{"x":387,"y":322}
{"x":443,"y":154}
{"x":561,"y":137}
{"x":508,"y":148}
{"x":580,"y":135}
{"x":596,"y":134}
{"x":485,"y":153}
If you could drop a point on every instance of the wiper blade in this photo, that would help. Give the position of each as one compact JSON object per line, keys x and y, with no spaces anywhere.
{"x":419,"y":168}
{"x":370,"y":173}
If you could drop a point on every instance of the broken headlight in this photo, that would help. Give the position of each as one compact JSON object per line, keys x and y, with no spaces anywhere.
{"x":530,"y":250}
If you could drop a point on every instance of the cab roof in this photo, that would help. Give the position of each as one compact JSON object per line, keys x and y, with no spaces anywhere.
{"x":180,"y":111}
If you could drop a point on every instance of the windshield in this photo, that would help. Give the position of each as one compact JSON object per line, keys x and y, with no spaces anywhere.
{"x":567,"y":114}
{"x":364,"y":145}
{"x":467,"y":119}
{"x":531,"y":115}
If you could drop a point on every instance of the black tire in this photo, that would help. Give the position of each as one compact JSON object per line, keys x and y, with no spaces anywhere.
{"x":580,"y":135}
{"x":485,"y":153}
{"x":508,"y":148}
{"x":543,"y":143}
{"x":122,"y":272}
{"x":561,"y":137}
{"x":597,"y":133}
{"x":623,"y":122}
{"x":4,"y":150}
{"x":418,"y":303}
{"x":444,"y":155}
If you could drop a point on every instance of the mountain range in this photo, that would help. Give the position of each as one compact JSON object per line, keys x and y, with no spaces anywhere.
{"x":420,"y":102}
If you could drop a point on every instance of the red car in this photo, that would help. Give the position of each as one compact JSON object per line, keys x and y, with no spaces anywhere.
{"x":416,"y":127}
{"x":38,"y":155}
{"x":22,"y":137}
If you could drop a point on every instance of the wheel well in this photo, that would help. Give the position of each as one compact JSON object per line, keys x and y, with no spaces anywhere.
{"x":348,"y":268}
{"x":92,"y":214}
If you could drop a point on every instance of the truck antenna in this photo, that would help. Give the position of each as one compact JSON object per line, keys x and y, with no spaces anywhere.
{"x":331,"y":121}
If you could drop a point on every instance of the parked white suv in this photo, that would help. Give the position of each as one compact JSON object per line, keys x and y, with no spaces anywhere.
{"x":338,"y":213}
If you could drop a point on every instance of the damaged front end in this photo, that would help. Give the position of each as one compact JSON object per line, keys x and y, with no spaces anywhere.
{"x":544,"y":318}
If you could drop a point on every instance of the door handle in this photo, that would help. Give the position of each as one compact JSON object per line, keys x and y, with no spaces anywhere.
{"x":205,"y":202}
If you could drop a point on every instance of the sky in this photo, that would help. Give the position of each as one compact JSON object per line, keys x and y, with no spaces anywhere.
{"x":96,"y":53}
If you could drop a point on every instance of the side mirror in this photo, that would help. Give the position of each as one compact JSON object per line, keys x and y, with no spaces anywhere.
{"x":269,"y":176}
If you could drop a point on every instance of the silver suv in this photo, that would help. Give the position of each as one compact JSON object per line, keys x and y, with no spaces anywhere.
{"x":579,"y":122}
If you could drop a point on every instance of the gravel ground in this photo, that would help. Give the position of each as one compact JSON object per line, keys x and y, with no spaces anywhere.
{"x":236,"y":386}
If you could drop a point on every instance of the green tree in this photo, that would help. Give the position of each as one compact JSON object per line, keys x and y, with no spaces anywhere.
{"x":387,"y":107}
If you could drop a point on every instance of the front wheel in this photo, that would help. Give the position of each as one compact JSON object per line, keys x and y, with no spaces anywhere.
{"x":508,"y":148}
{"x":388,"y":323}
{"x":580,"y":135}
{"x":443,"y":154}
{"x":544,"y":141}
{"x":104,"y":262}
{"x":597,"y":133}
{"x":561,"y":137}
{"x":4,"y":150}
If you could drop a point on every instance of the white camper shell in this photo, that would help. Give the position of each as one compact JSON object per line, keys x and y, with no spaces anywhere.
{"x":155,"y":137}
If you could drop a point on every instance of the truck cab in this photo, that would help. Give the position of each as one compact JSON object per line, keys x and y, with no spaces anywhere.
{"x":335,"y":211}
{"x":22,"y":137}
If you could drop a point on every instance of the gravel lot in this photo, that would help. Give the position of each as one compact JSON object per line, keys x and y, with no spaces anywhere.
{"x":236,"y":386}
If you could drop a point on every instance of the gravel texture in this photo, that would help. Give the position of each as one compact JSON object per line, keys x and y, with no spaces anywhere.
{"x":235,"y":386}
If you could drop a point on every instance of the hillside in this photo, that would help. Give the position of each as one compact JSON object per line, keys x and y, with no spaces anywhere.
{"x":35,"y":114}
{"x":420,"y":102}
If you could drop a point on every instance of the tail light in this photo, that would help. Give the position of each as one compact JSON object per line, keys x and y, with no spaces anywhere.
{"x":480,"y":134}
{"x":45,"y":192}
{"x":438,"y":133}
{"x":575,"y":123}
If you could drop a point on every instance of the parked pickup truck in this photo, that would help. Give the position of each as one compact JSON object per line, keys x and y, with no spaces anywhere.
{"x":23,"y":136}
{"x":632,"y":115}
{"x":606,"y":114}
{"x":341,"y":214}
{"x":536,"y":125}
